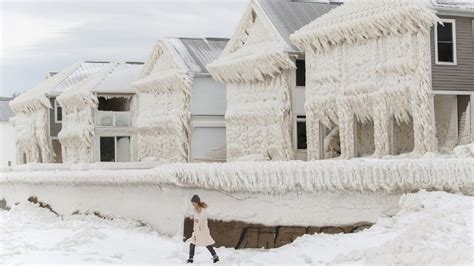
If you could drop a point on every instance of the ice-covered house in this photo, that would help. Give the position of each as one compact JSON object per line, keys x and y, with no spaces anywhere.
{"x":38,"y":117}
{"x":98,"y":123}
{"x":372,"y":70}
{"x":7,"y":134}
{"x":180,"y":107}
{"x":265,"y":78}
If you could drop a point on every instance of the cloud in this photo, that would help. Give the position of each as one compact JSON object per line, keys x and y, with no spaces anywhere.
{"x":22,"y":32}
{"x":49,"y":36}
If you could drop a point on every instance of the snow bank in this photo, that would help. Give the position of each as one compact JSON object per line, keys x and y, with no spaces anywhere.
{"x":397,"y":175}
{"x":430,"y":228}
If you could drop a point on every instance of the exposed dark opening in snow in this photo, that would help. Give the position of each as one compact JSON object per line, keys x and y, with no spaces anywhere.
{"x":300,"y":73}
{"x":116,"y":104}
{"x":107,"y":149}
{"x":301,"y":140}
{"x":115,"y":149}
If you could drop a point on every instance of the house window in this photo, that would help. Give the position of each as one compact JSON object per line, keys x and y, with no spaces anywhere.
{"x":301,"y":132}
{"x":300,"y":73}
{"x":445,"y":42}
{"x":115,"y":149}
{"x":58,"y":112}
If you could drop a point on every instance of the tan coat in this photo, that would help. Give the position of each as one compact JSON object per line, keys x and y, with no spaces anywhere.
{"x":201,"y":234}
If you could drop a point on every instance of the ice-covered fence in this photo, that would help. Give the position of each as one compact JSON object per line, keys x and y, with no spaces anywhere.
{"x":395,"y":175}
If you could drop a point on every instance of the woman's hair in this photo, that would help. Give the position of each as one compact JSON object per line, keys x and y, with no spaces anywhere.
{"x":202,"y":204}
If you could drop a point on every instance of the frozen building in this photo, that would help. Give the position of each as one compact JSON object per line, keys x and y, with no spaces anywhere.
{"x":265,"y":78}
{"x":38,"y":117}
{"x":7,"y":134}
{"x":372,"y":71}
{"x":98,"y":123}
{"x":180,"y":107}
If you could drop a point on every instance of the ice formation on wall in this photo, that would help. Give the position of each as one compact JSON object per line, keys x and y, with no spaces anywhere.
{"x":164,"y":91}
{"x":369,"y":61}
{"x":392,"y":176}
{"x":256,"y":69}
{"x":79,"y":103}
{"x":31,"y":124}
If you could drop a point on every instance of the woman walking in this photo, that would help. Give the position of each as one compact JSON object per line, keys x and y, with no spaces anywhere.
{"x":201,"y":234}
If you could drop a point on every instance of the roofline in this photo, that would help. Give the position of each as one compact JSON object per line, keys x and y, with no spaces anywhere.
{"x":198,"y":38}
{"x":452,"y":11}
{"x":6,"y":98}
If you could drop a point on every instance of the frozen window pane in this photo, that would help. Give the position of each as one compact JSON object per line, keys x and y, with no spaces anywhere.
{"x":105,"y":119}
{"x":209,"y":143}
{"x":107,"y":149}
{"x":123,"y":149}
{"x":122,"y":119}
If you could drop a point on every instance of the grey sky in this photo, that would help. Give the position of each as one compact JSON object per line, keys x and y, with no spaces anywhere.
{"x":38,"y":37}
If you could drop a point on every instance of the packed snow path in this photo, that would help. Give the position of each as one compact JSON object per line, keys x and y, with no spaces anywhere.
{"x":431,"y":227}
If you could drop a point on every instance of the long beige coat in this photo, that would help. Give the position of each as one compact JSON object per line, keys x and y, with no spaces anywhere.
{"x":201,"y":234}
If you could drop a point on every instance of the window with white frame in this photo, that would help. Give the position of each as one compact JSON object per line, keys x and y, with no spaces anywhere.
{"x":58,"y":112}
{"x":301,"y":132}
{"x":115,"y":149}
{"x":445,"y":42}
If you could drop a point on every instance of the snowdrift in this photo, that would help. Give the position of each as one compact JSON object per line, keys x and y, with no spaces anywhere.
{"x":429,"y":228}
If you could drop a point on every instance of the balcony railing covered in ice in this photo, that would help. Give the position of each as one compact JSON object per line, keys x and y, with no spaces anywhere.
{"x":113,"y":119}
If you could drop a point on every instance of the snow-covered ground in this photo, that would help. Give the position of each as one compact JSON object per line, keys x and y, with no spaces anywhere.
{"x":431,"y":227}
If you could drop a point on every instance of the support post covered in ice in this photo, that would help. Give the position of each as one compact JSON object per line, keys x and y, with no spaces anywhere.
{"x":369,"y":63}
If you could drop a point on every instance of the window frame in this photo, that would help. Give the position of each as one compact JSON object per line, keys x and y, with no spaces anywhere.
{"x":455,"y":58}
{"x":115,"y":137}
{"x":56,"y":113}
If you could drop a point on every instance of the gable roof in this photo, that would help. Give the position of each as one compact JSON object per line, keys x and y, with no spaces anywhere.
{"x":81,"y":72}
{"x":119,"y":79}
{"x":196,"y":53}
{"x":360,"y":20}
{"x":5,"y":111}
{"x":289,"y":16}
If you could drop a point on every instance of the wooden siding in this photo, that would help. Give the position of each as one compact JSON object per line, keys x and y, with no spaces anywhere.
{"x":458,"y":77}
{"x":54,"y":128}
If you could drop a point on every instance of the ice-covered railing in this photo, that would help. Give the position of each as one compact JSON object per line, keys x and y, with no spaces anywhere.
{"x":365,"y":175}
{"x":113,"y":119}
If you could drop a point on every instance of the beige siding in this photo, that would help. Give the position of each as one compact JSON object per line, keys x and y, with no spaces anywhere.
{"x":54,"y":128}
{"x":460,"y":76}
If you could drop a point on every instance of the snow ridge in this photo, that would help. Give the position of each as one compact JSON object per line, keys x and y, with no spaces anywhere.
{"x":391,"y":176}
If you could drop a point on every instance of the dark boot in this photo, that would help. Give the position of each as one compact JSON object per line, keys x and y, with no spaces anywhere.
{"x":215,"y":258}
{"x":189,"y":261}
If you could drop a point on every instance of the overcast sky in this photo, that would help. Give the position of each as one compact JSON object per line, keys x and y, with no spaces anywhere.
{"x":41,"y":36}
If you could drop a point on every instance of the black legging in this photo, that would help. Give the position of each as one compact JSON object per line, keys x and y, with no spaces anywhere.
{"x":192,"y":247}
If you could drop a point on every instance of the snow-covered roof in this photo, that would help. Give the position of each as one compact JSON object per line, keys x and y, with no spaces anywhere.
{"x":120,"y":78}
{"x":83,"y":71}
{"x":361,"y":20}
{"x":113,"y":78}
{"x":54,"y":85}
{"x":5,"y":111}
{"x":288,"y":16}
{"x":198,"y":52}
{"x":260,"y":46}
